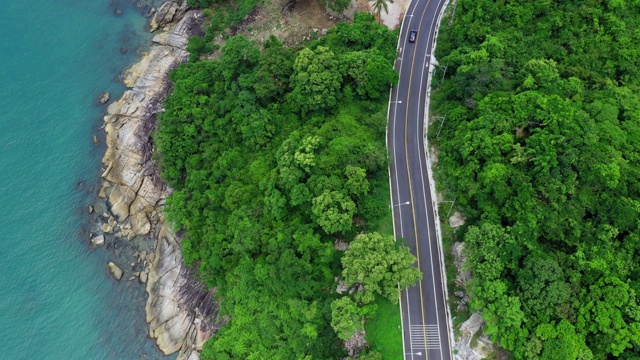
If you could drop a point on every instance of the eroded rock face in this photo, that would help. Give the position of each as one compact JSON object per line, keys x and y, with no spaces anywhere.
{"x":179,"y":309}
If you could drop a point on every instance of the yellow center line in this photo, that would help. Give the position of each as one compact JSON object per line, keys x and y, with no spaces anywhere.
{"x":413,"y":210}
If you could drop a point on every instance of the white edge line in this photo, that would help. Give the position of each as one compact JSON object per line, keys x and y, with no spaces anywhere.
{"x":433,"y":187}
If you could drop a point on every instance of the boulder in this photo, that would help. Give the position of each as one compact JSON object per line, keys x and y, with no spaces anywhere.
{"x":90,"y":209}
{"x":97,"y":240}
{"x":104,"y":97}
{"x":472,"y":325}
{"x":143,"y":277}
{"x":456,"y":220}
{"x":341,"y":245}
{"x":115,"y":271}
{"x":140,"y":223}
{"x":106,"y":228}
{"x":468,"y":330}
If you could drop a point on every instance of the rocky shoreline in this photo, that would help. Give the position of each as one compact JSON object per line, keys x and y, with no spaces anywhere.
{"x":179,"y":310}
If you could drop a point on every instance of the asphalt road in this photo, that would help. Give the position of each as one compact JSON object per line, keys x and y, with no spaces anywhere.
{"x":426,"y":330}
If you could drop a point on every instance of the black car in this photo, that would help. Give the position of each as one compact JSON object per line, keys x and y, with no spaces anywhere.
{"x":412,"y":36}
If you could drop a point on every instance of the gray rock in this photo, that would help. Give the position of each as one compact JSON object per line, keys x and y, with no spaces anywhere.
{"x":115,"y":271}
{"x":342,"y":287}
{"x":90,"y":209}
{"x":456,"y":220}
{"x":341,"y":245}
{"x":355,"y":343}
{"x":97,"y":240}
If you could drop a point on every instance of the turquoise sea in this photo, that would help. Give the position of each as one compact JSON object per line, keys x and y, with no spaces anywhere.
{"x":57,"y":300}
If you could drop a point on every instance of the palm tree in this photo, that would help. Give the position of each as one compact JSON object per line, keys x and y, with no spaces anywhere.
{"x":378,"y":5}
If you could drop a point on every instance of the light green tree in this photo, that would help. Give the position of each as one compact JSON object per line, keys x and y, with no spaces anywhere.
{"x":357,"y":183}
{"x":346,"y":317}
{"x":380,"y":265}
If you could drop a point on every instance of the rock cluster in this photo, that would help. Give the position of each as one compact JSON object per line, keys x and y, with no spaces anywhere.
{"x":356,"y":343}
{"x":466,"y":349}
{"x":136,"y":194}
{"x":166,"y":14}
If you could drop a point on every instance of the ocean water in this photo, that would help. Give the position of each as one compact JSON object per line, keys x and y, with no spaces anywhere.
{"x":57,"y":299}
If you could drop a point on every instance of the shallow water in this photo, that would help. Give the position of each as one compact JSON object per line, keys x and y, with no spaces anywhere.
{"x":57,"y":299}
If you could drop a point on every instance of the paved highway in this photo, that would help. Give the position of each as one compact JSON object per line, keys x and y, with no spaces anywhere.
{"x":425,"y":319}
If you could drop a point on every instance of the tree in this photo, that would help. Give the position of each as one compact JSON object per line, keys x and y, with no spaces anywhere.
{"x":371,"y":73}
{"x":543,"y":287}
{"x":610,"y":316}
{"x":378,"y":5}
{"x":333,"y":211}
{"x":357,"y":183}
{"x":380,"y":265}
{"x":316,"y":79}
{"x":273,"y":71}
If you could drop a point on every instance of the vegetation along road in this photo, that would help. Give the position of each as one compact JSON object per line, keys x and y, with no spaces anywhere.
{"x":424,"y":307}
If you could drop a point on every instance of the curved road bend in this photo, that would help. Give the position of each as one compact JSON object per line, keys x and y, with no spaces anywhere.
{"x":424,"y":309}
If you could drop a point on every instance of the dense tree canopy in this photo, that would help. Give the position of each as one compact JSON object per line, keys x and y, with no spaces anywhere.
{"x":274,"y":155}
{"x":541,"y":149}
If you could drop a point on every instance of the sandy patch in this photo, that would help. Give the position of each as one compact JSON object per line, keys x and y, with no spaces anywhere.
{"x":396,"y":11}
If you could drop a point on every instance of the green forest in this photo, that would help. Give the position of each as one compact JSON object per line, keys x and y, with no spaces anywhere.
{"x":275,"y":155}
{"x":540,"y":147}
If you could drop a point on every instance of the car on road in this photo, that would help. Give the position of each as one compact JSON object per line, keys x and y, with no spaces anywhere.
{"x":412,"y":36}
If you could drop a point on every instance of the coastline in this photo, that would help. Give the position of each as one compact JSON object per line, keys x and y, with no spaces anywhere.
{"x":179,"y":309}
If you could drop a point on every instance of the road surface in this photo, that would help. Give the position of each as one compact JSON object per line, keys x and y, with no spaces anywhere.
{"x":426,"y":330}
